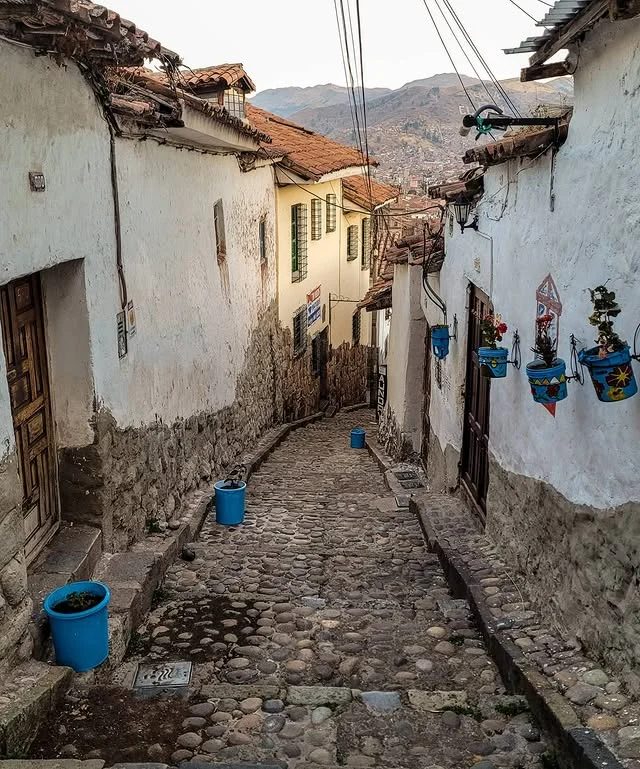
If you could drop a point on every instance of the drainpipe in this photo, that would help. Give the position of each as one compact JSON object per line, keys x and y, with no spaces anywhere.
{"x":116,"y":218}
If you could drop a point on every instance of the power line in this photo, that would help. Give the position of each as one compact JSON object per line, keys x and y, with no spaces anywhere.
{"x":444,"y":45}
{"x":364,"y":101}
{"x":526,"y":13}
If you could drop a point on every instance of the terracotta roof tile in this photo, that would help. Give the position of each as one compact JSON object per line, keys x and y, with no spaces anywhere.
{"x":378,"y":297}
{"x":308,"y":154}
{"x":219,"y":76}
{"x":356,"y":189}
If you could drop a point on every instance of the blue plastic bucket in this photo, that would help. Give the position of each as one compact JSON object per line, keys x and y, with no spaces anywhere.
{"x":357,"y":438}
{"x":612,"y":376}
{"x":493,"y":361}
{"x":548,"y":384}
{"x":80,"y":640}
{"x":440,"y":341}
{"x":230,"y":503}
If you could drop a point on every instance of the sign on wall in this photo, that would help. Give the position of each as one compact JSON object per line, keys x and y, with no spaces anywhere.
{"x":548,"y":303}
{"x":382,"y":391}
{"x":314,"y":309}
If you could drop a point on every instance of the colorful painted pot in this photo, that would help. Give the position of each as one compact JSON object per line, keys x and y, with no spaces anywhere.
{"x":548,"y":383}
{"x":493,"y":361}
{"x":440,"y":341}
{"x":612,"y":376}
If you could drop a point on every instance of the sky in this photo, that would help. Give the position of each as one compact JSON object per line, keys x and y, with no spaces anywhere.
{"x":295,"y":42}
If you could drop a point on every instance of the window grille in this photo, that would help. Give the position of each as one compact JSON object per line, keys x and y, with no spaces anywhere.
{"x":331,"y":212}
{"x":365,"y":258}
{"x":316,"y":219}
{"x":352,"y":242}
{"x":262,"y":239}
{"x":300,"y":330}
{"x":355,"y":327}
{"x":221,"y":241}
{"x":234,"y":103}
{"x":298,"y":242}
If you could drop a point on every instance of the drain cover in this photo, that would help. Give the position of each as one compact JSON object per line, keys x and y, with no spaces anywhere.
{"x":163,"y":675}
{"x":405,"y":475}
{"x":402,"y":500}
{"x":412,"y":484}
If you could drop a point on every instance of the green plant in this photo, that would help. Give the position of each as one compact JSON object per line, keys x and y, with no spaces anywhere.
{"x":512,"y":709}
{"x":605,"y":309}
{"x":82,"y":600}
{"x":153,"y":526}
{"x":550,"y":761}
{"x":467,"y":710}
{"x":457,"y":640}
{"x":493,"y":329}
{"x":159,"y":596}
{"x":545,"y":346}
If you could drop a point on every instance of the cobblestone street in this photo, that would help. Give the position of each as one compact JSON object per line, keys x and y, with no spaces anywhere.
{"x":321,"y":633}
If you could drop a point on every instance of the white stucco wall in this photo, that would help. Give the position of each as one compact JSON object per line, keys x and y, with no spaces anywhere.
{"x":589,"y":451}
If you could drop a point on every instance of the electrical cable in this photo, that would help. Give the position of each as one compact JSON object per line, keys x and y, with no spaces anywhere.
{"x":444,"y":45}
{"x":526,"y":13}
{"x":364,"y":103}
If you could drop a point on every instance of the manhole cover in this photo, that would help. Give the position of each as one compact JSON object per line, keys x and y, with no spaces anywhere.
{"x":163,"y":675}
{"x":413,"y":484}
{"x":405,"y":475}
{"x":402,"y":500}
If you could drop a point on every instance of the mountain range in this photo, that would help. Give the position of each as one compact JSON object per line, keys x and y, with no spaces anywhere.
{"x":413,"y":131}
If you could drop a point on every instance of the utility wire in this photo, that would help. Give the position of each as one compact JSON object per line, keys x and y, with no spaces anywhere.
{"x":364,"y":101}
{"x":526,"y":13}
{"x":444,"y":45}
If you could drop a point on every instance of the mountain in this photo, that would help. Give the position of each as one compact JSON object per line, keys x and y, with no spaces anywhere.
{"x":414,"y":130}
{"x":286,"y":101}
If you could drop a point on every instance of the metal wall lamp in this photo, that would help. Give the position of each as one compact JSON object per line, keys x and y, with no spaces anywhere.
{"x":462,"y":209}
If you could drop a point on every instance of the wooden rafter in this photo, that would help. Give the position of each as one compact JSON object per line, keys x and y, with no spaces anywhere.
{"x":571,"y":31}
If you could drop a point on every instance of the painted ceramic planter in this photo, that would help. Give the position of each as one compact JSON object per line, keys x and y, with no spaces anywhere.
{"x":612,"y":376}
{"x":548,"y":383}
{"x":493,"y":361}
{"x":440,"y":341}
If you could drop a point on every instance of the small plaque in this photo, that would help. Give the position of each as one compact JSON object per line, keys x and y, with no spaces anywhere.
{"x":37,"y":181}
{"x":121,"y":322}
{"x":163,"y":675}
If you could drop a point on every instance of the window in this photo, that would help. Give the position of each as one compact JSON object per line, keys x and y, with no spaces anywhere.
{"x":234,"y":102}
{"x":300,"y":330}
{"x":221,"y":242}
{"x":316,"y":219}
{"x":298,"y":242}
{"x":352,"y":242}
{"x":262,"y":238}
{"x":355,"y":327}
{"x":331,"y":213}
{"x":365,"y":258}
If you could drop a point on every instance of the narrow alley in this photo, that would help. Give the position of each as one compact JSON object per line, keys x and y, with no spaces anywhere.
{"x":321,"y":632}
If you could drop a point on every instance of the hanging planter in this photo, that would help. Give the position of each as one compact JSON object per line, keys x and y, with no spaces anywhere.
{"x":609,"y":363}
{"x":440,"y":341}
{"x":493,"y":360}
{"x":548,"y":374}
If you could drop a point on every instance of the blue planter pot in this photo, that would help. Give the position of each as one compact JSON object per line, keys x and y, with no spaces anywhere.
{"x":548,"y":383}
{"x":493,"y":362}
{"x":230,"y":503}
{"x":612,"y":376}
{"x":440,"y":341}
{"x":358,"y":438}
{"x":80,"y":640}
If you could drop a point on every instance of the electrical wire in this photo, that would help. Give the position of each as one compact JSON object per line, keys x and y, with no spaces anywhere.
{"x":444,"y":45}
{"x":364,"y":102}
{"x":526,"y":13}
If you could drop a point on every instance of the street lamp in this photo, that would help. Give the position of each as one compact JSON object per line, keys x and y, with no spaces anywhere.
{"x":462,"y":208}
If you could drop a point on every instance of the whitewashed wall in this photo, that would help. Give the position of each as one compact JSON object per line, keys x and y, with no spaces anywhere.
{"x":589,"y":451}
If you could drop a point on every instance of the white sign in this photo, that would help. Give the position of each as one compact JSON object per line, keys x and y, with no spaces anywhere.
{"x":314,"y":309}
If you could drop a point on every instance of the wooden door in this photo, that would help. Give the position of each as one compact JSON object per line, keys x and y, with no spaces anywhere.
{"x":26,"y":359}
{"x":475,"y":439}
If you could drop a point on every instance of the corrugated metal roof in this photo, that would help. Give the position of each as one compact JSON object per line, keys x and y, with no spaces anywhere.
{"x":562,"y":13}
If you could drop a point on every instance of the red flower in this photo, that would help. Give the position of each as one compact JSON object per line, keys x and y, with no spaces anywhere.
{"x":553,"y":390}
{"x":544,"y":319}
{"x":502,"y":328}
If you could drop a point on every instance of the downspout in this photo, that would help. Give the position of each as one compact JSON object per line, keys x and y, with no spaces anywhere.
{"x":122,"y":283}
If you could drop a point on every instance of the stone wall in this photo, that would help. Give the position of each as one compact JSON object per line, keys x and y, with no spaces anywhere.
{"x":396,"y":444}
{"x":348,"y":374}
{"x":582,"y":563}
{"x":15,"y":604}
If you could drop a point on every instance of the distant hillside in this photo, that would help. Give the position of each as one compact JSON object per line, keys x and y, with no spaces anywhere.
{"x":286,"y":101}
{"x":413,"y":130}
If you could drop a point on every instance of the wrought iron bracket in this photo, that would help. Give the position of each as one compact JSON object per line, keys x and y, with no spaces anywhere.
{"x":577,"y":372}
{"x":636,"y":355}
{"x":516,"y":355}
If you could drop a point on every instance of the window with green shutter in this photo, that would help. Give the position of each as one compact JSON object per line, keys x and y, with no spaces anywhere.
{"x":298,"y":242}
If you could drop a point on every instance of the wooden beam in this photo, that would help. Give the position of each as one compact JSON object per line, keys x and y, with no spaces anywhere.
{"x":566,"y":34}
{"x":623,"y":9}
{"x":557,"y":69}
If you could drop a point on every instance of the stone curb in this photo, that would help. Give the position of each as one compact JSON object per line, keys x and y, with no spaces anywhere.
{"x":579,"y":747}
{"x":355,"y":407}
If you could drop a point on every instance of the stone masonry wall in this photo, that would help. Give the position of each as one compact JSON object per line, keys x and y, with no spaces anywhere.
{"x":347,"y":374}
{"x":582,"y":563}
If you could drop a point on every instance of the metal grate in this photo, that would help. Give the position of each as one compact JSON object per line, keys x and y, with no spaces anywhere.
{"x":299,"y":233}
{"x":316,"y":219}
{"x":163,"y":675}
{"x":300,"y":330}
{"x":356,"y":327}
{"x":352,"y":242}
{"x":331,"y":213}
{"x":262,"y":236}
{"x":365,"y":258}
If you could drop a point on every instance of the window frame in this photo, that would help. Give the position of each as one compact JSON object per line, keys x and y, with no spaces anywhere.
{"x":356,"y":328}
{"x":316,"y":219}
{"x":262,"y":239}
{"x":353,"y":236}
{"x":300,"y":317}
{"x":299,"y":242}
{"x":365,"y":250}
{"x":331,"y":203}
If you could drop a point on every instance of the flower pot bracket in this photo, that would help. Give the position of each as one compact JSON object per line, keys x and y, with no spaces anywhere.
{"x":516,"y":355}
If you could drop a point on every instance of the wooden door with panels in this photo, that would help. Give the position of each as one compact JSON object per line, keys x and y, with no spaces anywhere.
{"x":23,"y":341}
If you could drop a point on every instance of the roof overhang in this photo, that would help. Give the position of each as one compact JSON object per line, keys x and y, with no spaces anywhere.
{"x":294,"y":174}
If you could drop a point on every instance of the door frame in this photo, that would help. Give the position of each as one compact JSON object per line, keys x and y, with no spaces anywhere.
{"x":475,"y":488}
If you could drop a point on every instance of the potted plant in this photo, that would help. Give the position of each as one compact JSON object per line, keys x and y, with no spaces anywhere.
{"x":609,"y":363}
{"x":440,"y":341}
{"x":548,"y":373}
{"x":493,"y":359}
{"x":79,"y":624}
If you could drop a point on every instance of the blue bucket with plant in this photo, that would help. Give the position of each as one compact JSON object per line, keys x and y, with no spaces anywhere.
{"x":78,"y":616}
{"x":492,"y":359}
{"x":547,"y":374}
{"x":609,"y":363}
{"x":440,"y":341}
{"x":230,"y":498}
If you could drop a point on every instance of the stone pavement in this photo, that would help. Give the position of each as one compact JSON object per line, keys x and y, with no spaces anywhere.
{"x":321,"y":632}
